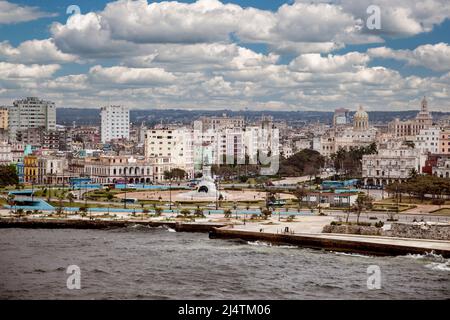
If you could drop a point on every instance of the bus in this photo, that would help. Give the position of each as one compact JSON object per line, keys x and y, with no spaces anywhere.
{"x":129,"y":200}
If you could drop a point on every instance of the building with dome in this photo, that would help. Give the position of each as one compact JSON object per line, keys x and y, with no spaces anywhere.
{"x":361,"y":120}
{"x":345,"y":137}
{"x":411,"y":128}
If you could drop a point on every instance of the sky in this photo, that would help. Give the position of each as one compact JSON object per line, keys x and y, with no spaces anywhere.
{"x":238,"y":54}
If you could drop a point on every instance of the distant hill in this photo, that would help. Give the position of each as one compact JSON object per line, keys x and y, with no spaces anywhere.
{"x":66,"y":116}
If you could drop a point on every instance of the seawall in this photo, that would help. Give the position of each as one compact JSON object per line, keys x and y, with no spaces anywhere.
{"x":368,"y":246}
{"x":104,"y":224}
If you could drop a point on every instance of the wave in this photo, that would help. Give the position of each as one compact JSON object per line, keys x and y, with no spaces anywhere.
{"x":429,"y":256}
{"x":268,"y":244}
{"x":351,"y":254}
{"x":439,"y":266}
{"x":437,"y":261}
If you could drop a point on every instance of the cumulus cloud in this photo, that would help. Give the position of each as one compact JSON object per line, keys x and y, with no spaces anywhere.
{"x":127,"y":26}
{"x":433,"y":56}
{"x":130,"y":76}
{"x":13,"y":13}
{"x":400,"y":17}
{"x":34,"y":51}
{"x":35,"y":71}
{"x":314,"y":62}
{"x":206,"y":54}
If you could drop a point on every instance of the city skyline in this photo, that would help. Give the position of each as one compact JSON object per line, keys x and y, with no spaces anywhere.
{"x":282,"y":55}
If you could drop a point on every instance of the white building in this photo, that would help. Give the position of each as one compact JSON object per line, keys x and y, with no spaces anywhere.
{"x":169,"y":149}
{"x":115,"y":123}
{"x":345,"y":137}
{"x":393,"y":162}
{"x":5,"y":153}
{"x":442,"y":168}
{"x":52,"y":170}
{"x":31,"y":113}
{"x":427,"y":141}
{"x":116,"y":169}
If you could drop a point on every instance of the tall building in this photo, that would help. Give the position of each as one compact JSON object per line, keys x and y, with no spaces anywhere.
{"x":31,"y":113}
{"x":444,"y":142}
{"x":427,"y":141}
{"x":409,"y":129}
{"x":3,"y":118}
{"x":168,"y":149}
{"x":115,"y":123}
{"x":341,"y":117}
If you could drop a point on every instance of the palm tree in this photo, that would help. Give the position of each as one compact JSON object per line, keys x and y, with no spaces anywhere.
{"x":185,"y":212}
{"x":300,"y":193}
{"x":10,"y":200}
{"x":227,"y":213}
{"x":60,"y":208}
{"x":70,"y":197}
{"x":363,"y":202}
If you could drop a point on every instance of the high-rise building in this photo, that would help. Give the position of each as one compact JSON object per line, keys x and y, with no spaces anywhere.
{"x":3,"y":118}
{"x":115,"y":123}
{"x":444,"y":141}
{"x":30,"y":113}
{"x":341,"y":117}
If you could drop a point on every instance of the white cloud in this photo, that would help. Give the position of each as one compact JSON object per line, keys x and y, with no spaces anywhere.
{"x":13,"y":13}
{"x":35,"y":51}
{"x":130,"y":76}
{"x":433,"y":56}
{"x":124,"y":27}
{"x":314,"y":62}
{"x":399,"y":17}
{"x":13,"y":70}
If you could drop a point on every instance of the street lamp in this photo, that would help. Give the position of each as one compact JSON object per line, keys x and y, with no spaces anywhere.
{"x":170,"y":194}
{"x":126,"y":180}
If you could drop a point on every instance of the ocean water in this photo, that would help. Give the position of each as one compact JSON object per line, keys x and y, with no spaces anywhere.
{"x":156,"y":263}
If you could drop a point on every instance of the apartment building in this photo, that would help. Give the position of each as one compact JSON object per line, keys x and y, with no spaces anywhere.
{"x":3,"y":118}
{"x":115,"y":123}
{"x":170,"y":148}
{"x":31,"y":113}
{"x":444,"y":141}
{"x":442,"y":168}
{"x":427,"y":141}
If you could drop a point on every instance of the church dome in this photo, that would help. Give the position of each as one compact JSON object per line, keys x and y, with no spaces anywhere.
{"x":361,"y":120}
{"x":361,"y":114}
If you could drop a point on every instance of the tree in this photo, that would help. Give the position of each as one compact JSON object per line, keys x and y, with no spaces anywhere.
{"x":185,"y":212}
{"x":60,"y":207}
{"x":158,"y":211}
{"x":11,"y":202}
{"x":109,"y":196}
{"x":227,"y":213}
{"x":8,"y":175}
{"x":198,"y":212}
{"x":70,"y":197}
{"x":305,"y":162}
{"x":363,"y":202}
{"x":349,"y":162}
{"x":300,"y":193}
{"x":175,"y":174}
